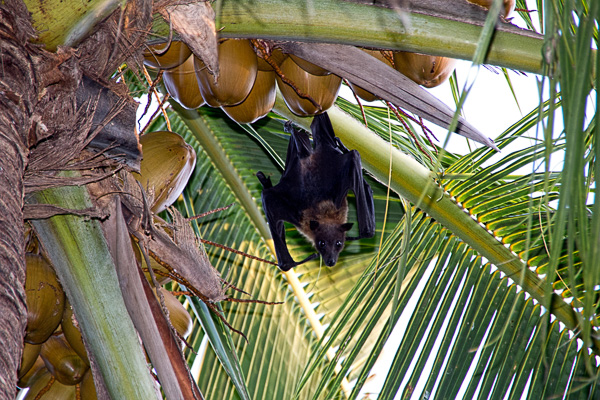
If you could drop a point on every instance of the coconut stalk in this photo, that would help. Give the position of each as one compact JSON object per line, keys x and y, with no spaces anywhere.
{"x":67,"y":23}
{"x":146,"y":313}
{"x":76,"y":247}
{"x":354,"y":24}
{"x":367,"y":25}
{"x":345,"y":22}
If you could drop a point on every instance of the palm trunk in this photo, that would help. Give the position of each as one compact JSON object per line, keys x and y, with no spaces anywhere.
{"x":17,"y":95}
{"x":40,"y":129}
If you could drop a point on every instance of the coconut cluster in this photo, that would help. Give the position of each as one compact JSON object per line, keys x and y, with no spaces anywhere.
{"x":55,"y":363}
{"x":246,"y":84}
{"x":245,"y":88}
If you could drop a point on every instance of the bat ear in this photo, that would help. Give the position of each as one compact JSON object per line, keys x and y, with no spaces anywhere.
{"x":347,"y":226}
{"x":313,"y":225}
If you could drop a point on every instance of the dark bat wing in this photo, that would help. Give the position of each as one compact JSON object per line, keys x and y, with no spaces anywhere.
{"x":298,"y":148}
{"x":283,"y":202}
{"x":278,"y":208}
{"x":352,"y":179}
{"x":349,"y":174}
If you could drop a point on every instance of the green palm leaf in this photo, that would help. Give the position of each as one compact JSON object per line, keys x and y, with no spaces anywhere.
{"x":355,"y":299}
{"x":483,"y":299}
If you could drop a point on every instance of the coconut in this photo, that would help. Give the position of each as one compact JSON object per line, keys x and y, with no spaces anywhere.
{"x":258,"y":103}
{"x":365,"y":94}
{"x":429,"y":71}
{"x":276,"y":56}
{"x":72,"y":332}
{"x":30,"y":354}
{"x":309,"y":67}
{"x":45,"y":299}
{"x":88,"y":389}
{"x":62,"y":361}
{"x":182,"y":85}
{"x":166,"y":55}
{"x":166,"y":167}
{"x":322,"y":89}
{"x":178,"y":315}
{"x":43,"y":388}
{"x":237,"y":71}
{"x":30,"y":376}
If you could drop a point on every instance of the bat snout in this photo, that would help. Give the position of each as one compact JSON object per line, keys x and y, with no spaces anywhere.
{"x":330,"y":262}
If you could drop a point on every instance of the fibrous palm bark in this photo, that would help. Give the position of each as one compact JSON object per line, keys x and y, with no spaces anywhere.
{"x":19,"y":83}
{"x":42,"y":127}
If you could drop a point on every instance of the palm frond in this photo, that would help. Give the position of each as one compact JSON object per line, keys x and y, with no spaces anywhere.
{"x":515,"y":205}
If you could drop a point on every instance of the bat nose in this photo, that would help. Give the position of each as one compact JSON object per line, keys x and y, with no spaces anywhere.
{"x":330,"y":262}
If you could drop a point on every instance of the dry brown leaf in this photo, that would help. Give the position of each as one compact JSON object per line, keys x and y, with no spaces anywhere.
{"x":195,"y":23}
{"x":146,"y":312}
{"x":187,"y":257}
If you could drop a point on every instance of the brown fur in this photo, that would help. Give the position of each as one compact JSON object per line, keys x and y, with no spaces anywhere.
{"x":324,"y":213}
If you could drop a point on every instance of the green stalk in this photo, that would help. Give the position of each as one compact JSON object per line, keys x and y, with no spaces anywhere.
{"x":213,"y":148}
{"x":346,"y":22}
{"x":414,"y":182}
{"x":66,"y":23}
{"x":78,"y":251}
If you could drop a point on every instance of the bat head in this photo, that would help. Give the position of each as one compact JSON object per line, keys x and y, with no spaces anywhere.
{"x":329,"y":239}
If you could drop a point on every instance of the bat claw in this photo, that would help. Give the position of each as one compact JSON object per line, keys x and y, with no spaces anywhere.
{"x":288,"y":127}
{"x":341,"y":146}
{"x":265,"y":181}
{"x":287,"y":266}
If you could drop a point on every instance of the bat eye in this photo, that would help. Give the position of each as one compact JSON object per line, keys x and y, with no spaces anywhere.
{"x":339,"y":243}
{"x":321,"y":244}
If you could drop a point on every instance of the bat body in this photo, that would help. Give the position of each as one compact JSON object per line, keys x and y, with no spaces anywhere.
{"x":312,"y":194}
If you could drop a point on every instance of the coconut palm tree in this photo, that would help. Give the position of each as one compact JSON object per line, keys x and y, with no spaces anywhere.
{"x":498,"y":262}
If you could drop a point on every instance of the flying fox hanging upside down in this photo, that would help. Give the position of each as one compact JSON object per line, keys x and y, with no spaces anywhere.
{"x":312,"y":194}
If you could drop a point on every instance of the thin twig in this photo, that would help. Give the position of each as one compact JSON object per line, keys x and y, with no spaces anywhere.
{"x":269,"y":303}
{"x":231,"y":285}
{"x":362,"y":110}
{"x":263,"y":53}
{"x":409,"y":130}
{"x":159,"y":109}
{"x":236,"y":251}
{"x":204,"y":214}
{"x":153,"y":90}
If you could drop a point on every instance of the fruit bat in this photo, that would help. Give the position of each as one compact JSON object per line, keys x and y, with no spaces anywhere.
{"x":311,"y":194}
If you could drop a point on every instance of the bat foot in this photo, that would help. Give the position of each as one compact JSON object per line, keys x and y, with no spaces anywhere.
{"x":288,"y":127}
{"x":265,"y":181}
{"x":289,"y":265}
{"x":341,"y":146}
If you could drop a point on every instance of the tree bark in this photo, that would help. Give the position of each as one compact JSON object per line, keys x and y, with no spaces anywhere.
{"x":17,"y":79}
{"x":38,"y":113}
